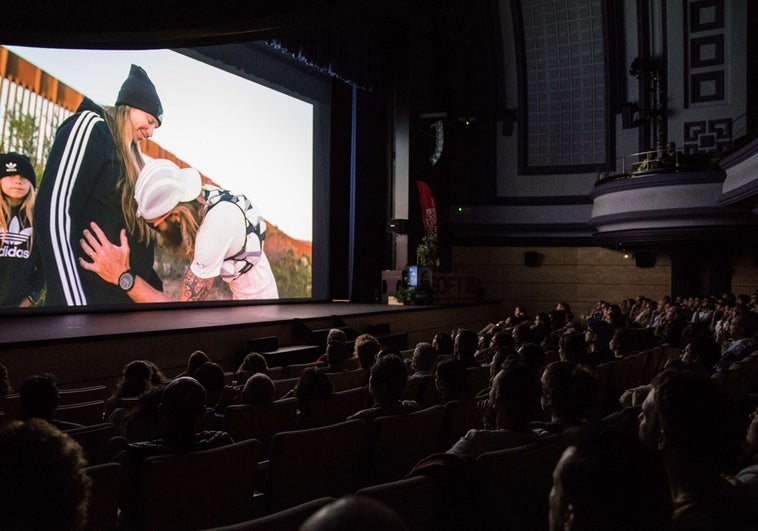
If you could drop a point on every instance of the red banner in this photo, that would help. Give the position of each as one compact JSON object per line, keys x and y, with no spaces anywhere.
{"x":428,"y":209}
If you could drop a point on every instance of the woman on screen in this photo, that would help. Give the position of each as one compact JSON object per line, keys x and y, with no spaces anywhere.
{"x":89,"y":176}
{"x":20,"y":269}
{"x":220,"y":232}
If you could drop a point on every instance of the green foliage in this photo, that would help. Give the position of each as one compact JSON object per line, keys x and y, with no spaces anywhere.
{"x":427,"y":252}
{"x":24,"y":137}
{"x":293,"y":275}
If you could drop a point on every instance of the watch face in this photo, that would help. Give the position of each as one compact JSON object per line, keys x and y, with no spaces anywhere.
{"x":126,"y":280}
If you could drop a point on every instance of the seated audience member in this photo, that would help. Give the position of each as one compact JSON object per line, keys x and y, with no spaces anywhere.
{"x":423,"y":360}
{"x":258,"y":390}
{"x":43,"y":478}
{"x":443,"y":344}
{"x":181,"y":408}
{"x":501,"y":342}
{"x":748,"y":473}
{"x":484,"y":348}
{"x":464,"y":347}
{"x":334,"y":336}
{"x":366,"y":348}
{"x":252,"y":363}
{"x":136,"y":379}
{"x":142,"y":422}
{"x":533,"y":357}
{"x":194,"y":361}
{"x":572,"y":348}
{"x":387,"y":384}
{"x":510,"y":408}
{"x":540,"y":327}
{"x":451,"y":379}
{"x":670,"y":327}
{"x":211,"y":377}
{"x":701,"y":354}
{"x":336,"y":354}
{"x":598,"y":337}
{"x":355,"y":512}
{"x":522,"y":335}
{"x":740,"y":343}
{"x":5,"y":383}
{"x":314,"y":387}
{"x":690,"y":422}
{"x":39,"y":399}
{"x":622,"y":343}
{"x":570,"y":397}
{"x":608,"y":480}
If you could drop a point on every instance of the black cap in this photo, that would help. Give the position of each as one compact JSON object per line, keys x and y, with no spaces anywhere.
{"x":139,"y":92}
{"x":17,"y":164}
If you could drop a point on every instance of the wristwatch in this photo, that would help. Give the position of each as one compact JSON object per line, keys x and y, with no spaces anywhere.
{"x":126,"y":280}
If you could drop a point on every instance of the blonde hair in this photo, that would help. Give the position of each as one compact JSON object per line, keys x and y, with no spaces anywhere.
{"x":118,"y":121}
{"x":190,"y":216}
{"x":26,"y":208}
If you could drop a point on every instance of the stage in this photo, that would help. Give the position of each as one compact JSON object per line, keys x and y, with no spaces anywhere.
{"x":92,"y":348}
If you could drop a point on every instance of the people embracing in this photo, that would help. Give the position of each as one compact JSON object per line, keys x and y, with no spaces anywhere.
{"x":221,"y":233}
{"x":89,"y":177}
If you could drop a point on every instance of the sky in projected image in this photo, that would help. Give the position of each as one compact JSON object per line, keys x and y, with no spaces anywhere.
{"x":244,"y":136}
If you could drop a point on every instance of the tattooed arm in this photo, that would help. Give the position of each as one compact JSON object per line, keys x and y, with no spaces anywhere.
{"x":194,"y":287}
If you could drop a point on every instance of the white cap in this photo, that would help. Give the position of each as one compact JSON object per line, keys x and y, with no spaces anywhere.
{"x":161,"y":185}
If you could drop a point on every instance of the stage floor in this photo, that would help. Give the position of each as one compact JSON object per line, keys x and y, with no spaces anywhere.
{"x":45,"y":327}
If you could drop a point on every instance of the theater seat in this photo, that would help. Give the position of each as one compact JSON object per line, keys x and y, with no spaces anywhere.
{"x":394,"y":444}
{"x":313,"y":463}
{"x":244,"y":421}
{"x":102,"y":511}
{"x":199,"y":489}
{"x":285,"y":520}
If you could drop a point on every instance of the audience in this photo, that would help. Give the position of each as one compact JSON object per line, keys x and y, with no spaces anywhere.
{"x":181,"y":407}
{"x":136,"y":379}
{"x":387,"y":384}
{"x":443,"y":344}
{"x":423,"y":360}
{"x":366,"y":348}
{"x":607,"y":480}
{"x":5,"y":384}
{"x":510,"y":405}
{"x":570,"y":397}
{"x":43,"y":480}
{"x":195,"y":359}
{"x":690,"y":422}
{"x":252,"y":363}
{"x":451,"y":379}
{"x":465,"y":347}
{"x":39,"y":400}
{"x":258,"y":390}
{"x":313,"y":388}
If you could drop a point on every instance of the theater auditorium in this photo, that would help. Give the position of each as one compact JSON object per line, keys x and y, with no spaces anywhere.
{"x":540,"y":215}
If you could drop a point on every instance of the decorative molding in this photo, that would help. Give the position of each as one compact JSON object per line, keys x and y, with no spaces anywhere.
{"x":706,"y":135}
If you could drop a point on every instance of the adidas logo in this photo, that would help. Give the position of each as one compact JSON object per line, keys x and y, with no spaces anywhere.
{"x":11,"y":167}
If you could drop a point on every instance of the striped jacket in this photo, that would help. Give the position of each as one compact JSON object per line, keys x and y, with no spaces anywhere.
{"x":79,"y":185}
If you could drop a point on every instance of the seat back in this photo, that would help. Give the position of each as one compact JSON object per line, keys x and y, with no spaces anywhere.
{"x":198,"y":489}
{"x":652,"y":365}
{"x":244,"y":421}
{"x":94,"y":441}
{"x":624,"y":420}
{"x":312,"y":463}
{"x":74,"y":395}
{"x":285,"y":520}
{"x":515,"y":484}
{"x":347,"y":379}
{"x":282,"y":387}
{"x":460,"y":416}
{"x":294,"y":370}
{"x":424,"y":503}
{"x":102,"y":511}
{"x":84,"y":413}
{"x":341,"y":405}
{"x":352,"y":363}
{"x":396,"y":443}
{"x":423,"y":391}
{"x":478,"y":379}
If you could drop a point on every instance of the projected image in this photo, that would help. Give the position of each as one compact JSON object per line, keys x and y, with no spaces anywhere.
{"x":159,"y":178}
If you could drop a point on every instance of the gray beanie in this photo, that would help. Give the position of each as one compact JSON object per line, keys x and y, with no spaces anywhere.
{"x":139,"y":92}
